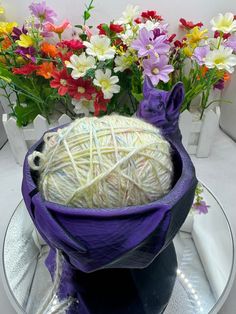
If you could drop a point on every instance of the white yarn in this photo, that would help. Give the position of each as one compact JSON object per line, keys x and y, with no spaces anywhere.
{"x":107,"y":162}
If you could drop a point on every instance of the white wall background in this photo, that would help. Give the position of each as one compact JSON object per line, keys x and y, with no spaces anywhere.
{"x":104,"y":10}
{"x":172,"y":10}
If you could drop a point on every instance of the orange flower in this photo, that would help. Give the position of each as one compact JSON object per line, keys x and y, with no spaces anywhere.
{"x":6,"y":43}
{"x":59,"y":29}
{"x":49,"y":49}
{"x":45,"y":69}
{"x":226,"y":76}
{"x":203,"y":71}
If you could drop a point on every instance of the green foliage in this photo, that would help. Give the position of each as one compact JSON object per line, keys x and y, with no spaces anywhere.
{"x":87,"y":14}
{"x":26,"y":113}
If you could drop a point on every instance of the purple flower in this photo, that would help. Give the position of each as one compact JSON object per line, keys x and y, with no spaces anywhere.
{"x":162,"y":29}
{"x":27,"y":53}
{"x":16,"y":32}
{"x":200,"y":54}
{"x":231,"y":42}
{"x":157,"y":69}
{"x":42,"y":12}
{"x":147,"y":45}
{"x":220,"y":84}
{"x":201,"y":207}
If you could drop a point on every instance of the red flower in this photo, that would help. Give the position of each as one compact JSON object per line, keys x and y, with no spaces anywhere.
{"x":189,"y":24}
{"x":100,"y":104}
{"x":116,"y":28}
{"x":81,"y":89}
{"x":101,"y":30}
{"x":178,"y":44}
{"x":225,"y":36}
{"x":65,"y":56}
{"x":73,"y":44}
{"x":61,"y":81}
{"x":25,"y":69}
{"x":138,"y":20}
{"x":170,"y":39}
{"x":234,"y":17}
{"x":151,"y":15}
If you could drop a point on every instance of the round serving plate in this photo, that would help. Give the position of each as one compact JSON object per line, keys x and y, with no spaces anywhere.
{"x":205,"y":253}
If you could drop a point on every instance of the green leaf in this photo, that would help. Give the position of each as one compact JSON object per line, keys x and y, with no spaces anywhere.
{"x":79,"y":26}
{"x":83,"y":36}
{"x":20,"y":83}
{"x":137,"y":96}
{"x":26,"y":113}
{"x":90,"y":74}
{"x":106,"y":28}
{"x":86,"y":15}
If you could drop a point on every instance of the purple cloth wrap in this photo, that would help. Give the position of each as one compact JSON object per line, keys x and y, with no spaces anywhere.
{"x":129,"y":237}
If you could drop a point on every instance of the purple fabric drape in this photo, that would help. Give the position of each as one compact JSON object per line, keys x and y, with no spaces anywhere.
{"x":129,"y":237}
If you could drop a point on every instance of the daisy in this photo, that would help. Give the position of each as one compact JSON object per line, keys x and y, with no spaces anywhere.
{"x":83,"y":106}
{"x":100,"y":47}
{"x":80,"y":65}
{"x":224,"y":23}
{"x":128,"y":14}
{"x":123,"y":62}
{"x":107,"y":83}
{"x":222,"y":59}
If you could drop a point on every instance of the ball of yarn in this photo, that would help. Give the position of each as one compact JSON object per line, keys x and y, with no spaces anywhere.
{"x":107,"y":162}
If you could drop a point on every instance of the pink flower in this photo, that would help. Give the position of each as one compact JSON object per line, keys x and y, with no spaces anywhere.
{"x":58,"y":29}
{"x":87,"y":31}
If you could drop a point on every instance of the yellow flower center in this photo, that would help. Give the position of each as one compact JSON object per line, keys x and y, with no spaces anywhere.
{"x":155,"y":71}
{"x":219,"y":60}
{"x":81,"y":67}
{"x":81,"y":89}
{"x":105,"y":84}
{"x":225,"y":23}
{"x":99,"y":49}
{"x":149,"y":47}
{"x":63,"y":82}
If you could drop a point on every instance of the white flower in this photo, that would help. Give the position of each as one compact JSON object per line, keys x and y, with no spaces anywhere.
{"x":100,"y":47}
{"x":221,"y":58}
{"x":129,"y":34}
{"x":224,"y":23}
{"x":149,"y":25}
{"x":128,"y":14}
{"x":80,"y":65}
{"x":107,"y":83}
{"x":213,"y":42}
{"x":123,"y":62}
{"x":84,"y":106}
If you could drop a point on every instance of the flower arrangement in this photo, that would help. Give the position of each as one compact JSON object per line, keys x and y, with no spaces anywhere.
{"x":100,"y":71}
